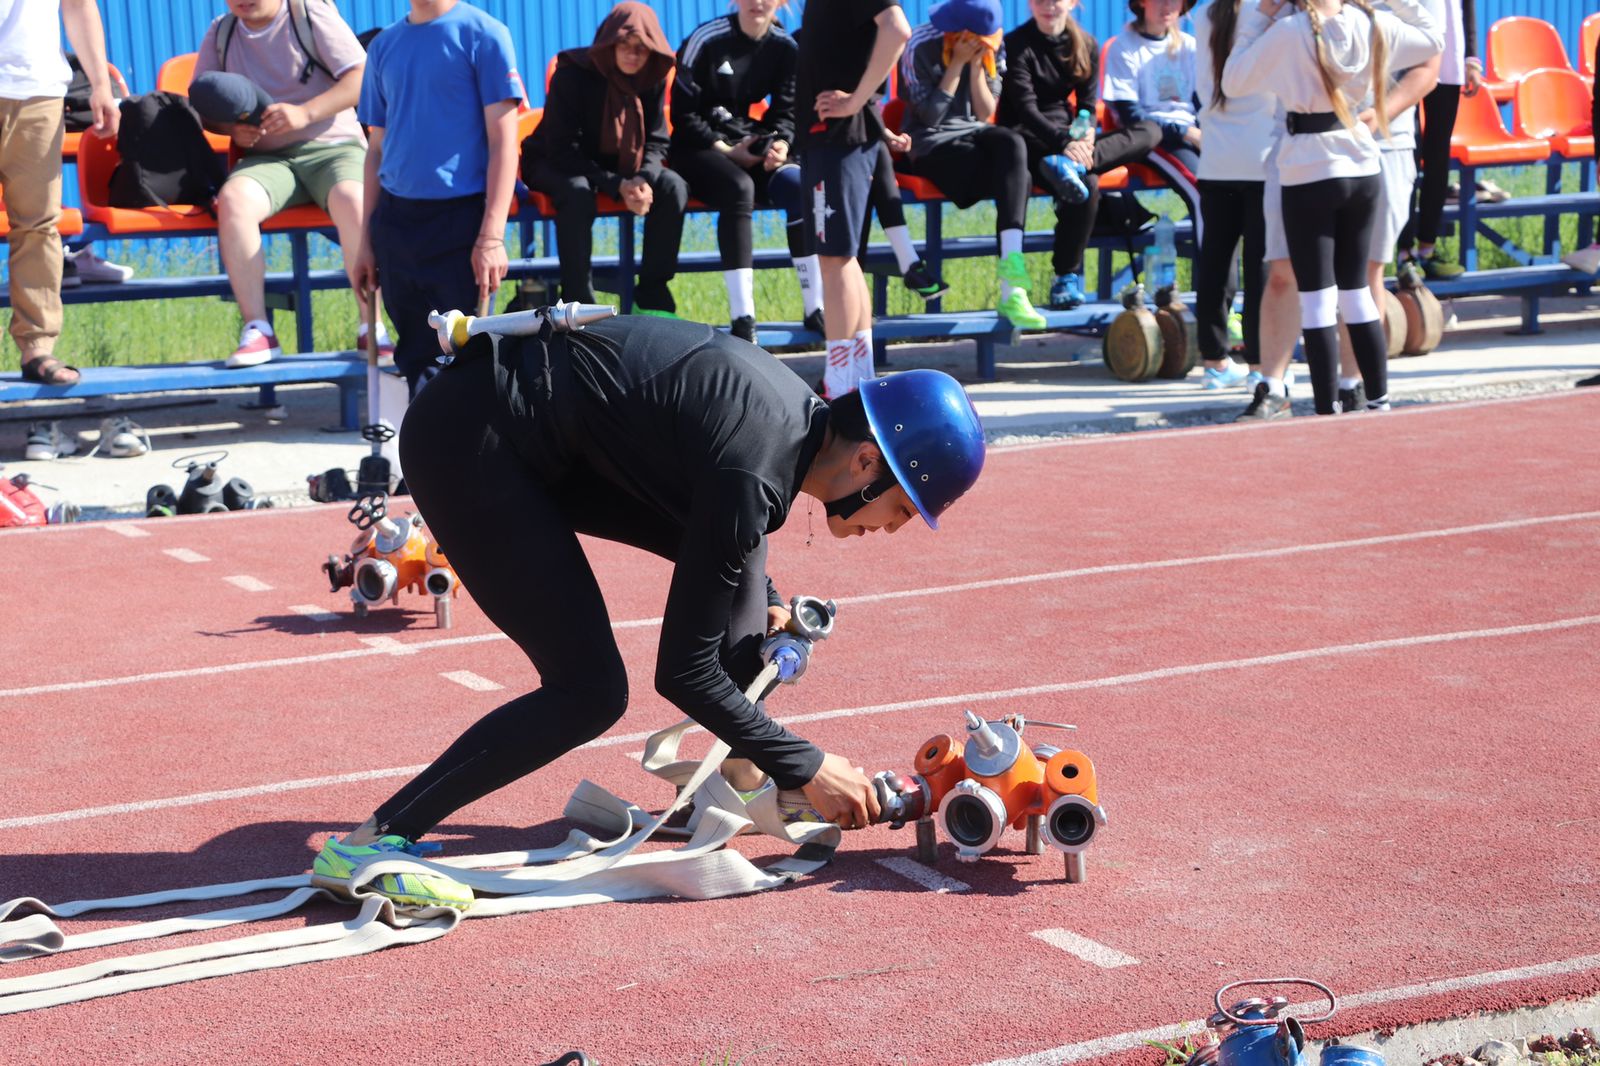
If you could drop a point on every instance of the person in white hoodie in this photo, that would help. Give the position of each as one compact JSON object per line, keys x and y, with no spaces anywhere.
{"x":1317,"y":62}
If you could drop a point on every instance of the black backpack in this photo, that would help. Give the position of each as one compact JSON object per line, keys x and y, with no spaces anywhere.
{"x":166,"y":158}
{"x":79,"y":115}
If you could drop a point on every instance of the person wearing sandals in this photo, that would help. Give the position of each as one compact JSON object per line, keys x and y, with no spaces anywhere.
{"x":950,"y":78}
{"x":605,"y":130}
{"x":33,"y":82}
{"x":1049,"y":61}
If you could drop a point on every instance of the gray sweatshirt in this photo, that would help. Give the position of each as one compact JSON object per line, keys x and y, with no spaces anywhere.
{"x":934,"y":117}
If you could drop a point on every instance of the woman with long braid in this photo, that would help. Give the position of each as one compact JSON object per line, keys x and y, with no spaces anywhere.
{"x":1319,"y":61}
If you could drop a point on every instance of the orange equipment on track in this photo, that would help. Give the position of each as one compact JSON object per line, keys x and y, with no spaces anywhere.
{"x":388,"y":556}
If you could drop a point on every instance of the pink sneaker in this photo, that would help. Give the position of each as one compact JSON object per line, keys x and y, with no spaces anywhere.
{"x":256,"y":346}
{"x":385,"y":346}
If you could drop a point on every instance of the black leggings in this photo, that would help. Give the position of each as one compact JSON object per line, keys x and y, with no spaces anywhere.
{"x":990,"y":163}
{"x":1439,"y":109}
{"x":1075,"y":222}
{"x":474,"y":487}
{"x":1328,"y":226}
{"x":573,"y":197}
{"x":1233,"y":212}
{"x":734,"y":192}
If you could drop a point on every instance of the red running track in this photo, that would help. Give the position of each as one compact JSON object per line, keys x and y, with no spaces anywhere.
{"x":1337,"y":677}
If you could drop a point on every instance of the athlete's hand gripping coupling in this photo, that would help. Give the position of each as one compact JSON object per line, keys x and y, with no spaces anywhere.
{"x":810,"y":620}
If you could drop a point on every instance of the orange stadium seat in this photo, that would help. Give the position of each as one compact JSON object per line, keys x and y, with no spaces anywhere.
{"x":1588,"y":38}
{"x":1519,"y":44}
{"x":923,"y":189}
{"x":1555,"y":105}
{"x":1480,"y":138}
{"x":70,"y":139}
{"x":70,"y":225}
{"x":97,"y":158}
{"x":174,"y":76}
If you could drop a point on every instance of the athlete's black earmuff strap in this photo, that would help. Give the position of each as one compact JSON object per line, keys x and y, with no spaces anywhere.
{"x":845,"y":506}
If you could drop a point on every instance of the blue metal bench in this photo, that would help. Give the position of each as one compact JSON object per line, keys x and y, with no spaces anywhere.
{"x":1529,"y":282}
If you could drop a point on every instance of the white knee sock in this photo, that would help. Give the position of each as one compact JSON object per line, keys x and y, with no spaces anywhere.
{"x":1010,"y":241}
{"x":905,"y":253}
{"x":741,"y":283}
{"x":838,"y":373}
{"x":809,"y":271}
{"x":861,"y":357}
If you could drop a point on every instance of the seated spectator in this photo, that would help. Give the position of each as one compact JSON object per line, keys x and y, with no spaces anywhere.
{"x":293,"y":123}
{"x":1588,"y":259}
{"x":950,"y":78}
{"x":1052,"y":74}
{"x":1150,"y":75}
{"x":605,"y":130}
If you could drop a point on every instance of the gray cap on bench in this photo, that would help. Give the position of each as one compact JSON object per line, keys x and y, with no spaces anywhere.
{"x":228,"y":98}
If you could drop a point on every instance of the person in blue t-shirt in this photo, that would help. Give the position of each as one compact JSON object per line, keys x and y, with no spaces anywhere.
{"x":440,"y":100}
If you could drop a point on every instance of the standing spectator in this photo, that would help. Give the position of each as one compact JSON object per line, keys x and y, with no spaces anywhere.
{"x":605,"y":130}
{"x":33,"y":82}
{"x":1050,"y":61}
{"x":950,"y":79}
{"x":847,"y":49}
{"x":1460,"y":73}
{"x":730,"y":160}
{"x":304,"y":147}
{"x":1588,"y":259}
{"x":440,"y":102}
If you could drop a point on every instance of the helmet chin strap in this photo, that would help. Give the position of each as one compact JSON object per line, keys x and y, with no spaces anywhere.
{"x":845,"y":506}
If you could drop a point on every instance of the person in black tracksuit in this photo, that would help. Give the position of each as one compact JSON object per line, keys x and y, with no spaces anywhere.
{"x":605,"y":130}
{"x":730,"y":160}
{"x":1461,"y":71}
{"x":1049,"y":63}
{"x":679,"y":439}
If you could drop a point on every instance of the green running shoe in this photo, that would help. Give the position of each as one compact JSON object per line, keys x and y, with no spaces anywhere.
{"x":1018,"y":310}
{"x":338,"y":860}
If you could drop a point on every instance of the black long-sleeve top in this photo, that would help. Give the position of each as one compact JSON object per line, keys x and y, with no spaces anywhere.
{"x":697,"y":444}
{"x":568,"y":136}
{"x":721,"y":72}
{"x":1038,"y":84}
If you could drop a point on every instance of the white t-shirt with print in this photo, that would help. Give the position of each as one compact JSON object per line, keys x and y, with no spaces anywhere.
{"x":1150,"y":72}
{"x":31,"y":63}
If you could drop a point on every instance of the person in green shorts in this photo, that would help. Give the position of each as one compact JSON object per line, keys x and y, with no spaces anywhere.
{"x":290,"y":109}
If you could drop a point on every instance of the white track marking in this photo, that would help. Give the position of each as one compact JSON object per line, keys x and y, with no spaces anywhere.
{"x":1107,"y":1045}
{"x":184,"y":555}
{"x":877,"y":597}
{"x":248,"y":583}
{"x":127,"y":529}
{"x":861,"y":712}
{"x":931,"y":880}
{"x":468,"y":679}
{"x":390,"y":646}
{"x":633,"y":756}
{"x":1084,"y":948}
{"x":313,"y":612}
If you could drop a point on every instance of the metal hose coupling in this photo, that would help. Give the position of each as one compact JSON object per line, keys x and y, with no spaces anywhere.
{"x":810,"y":620}
{"x":455,"y":329}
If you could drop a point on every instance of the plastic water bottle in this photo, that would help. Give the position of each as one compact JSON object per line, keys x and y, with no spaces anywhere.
{"x":1163,"y":263}
{"x":1081,"y":126}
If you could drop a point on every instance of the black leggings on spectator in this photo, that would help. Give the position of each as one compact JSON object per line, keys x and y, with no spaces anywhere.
{"x":1439,"y":109}
{"x":1328,"y":226}
{"x":1075,"y":222}
{"x":1594,"y":124}
{"x":733,"y":191}
{"x":1233,"y":212}
{"x":991,"y":163}
{"x":473,"y":485}
{"x":573,"y":198}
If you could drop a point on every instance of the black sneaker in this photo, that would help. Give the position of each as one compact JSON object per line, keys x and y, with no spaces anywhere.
{"x":1265,"y":406}
{"x":1352,"y":400}
{"x":920,"y":280}
{"x":1588,"y":381}
{"x":744,"y":327}
{"x":814,"y":323}
{"x":69,"y":274}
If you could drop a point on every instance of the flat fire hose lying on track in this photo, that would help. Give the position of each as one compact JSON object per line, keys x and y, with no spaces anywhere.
{"x":584,"y":869}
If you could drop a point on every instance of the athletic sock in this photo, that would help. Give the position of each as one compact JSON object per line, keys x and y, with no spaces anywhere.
{"x":741,"y":283}
{"x":1010,"y":241}
{"x":1322,"y":358}
{"x":905,"y":253}
{"x":838,"y":374}
{"x":1276,"y":387}
{"x":861,"y":357}
{"x":261,"y":324}
{"x":1348,"y":383}
{"x":809,"y":271}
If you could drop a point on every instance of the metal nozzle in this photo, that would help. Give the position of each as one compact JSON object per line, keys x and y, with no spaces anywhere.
{"x":456,"y":329}
{"x":982,"y":735}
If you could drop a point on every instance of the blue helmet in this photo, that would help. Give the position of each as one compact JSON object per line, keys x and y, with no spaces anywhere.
{"x":930,"y":435}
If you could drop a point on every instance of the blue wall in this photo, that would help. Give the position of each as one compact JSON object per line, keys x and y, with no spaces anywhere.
{"x":143,"y":33}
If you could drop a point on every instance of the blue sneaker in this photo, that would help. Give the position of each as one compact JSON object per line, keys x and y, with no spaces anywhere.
{"x":1226,"y":377}
{"x":1066,"y":292}
{"x":1065,"y":178}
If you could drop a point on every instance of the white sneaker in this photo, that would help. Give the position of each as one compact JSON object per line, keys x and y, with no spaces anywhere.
{"x":94,"y":270}
{"x":255,"y":347}
{"x":1586,"y":260}
{"x":121,"y":438}
{"x":47,"y":441}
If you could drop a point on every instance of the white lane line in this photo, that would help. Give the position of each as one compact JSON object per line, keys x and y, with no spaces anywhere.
{"x":248,"y":583}
{"x":1084,"y":948}
{"x":126,"y":529}
{"x":1107,"y":1045}
{"x":643,"y":623}
{"x":871,"y":709}
{"x":931,"y":880}
{"x":184,"y":555}
{"x":468,"y":679}
{"x":313,"y":612}
{"x":389,"y":646}
{"x":633,"y":756}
